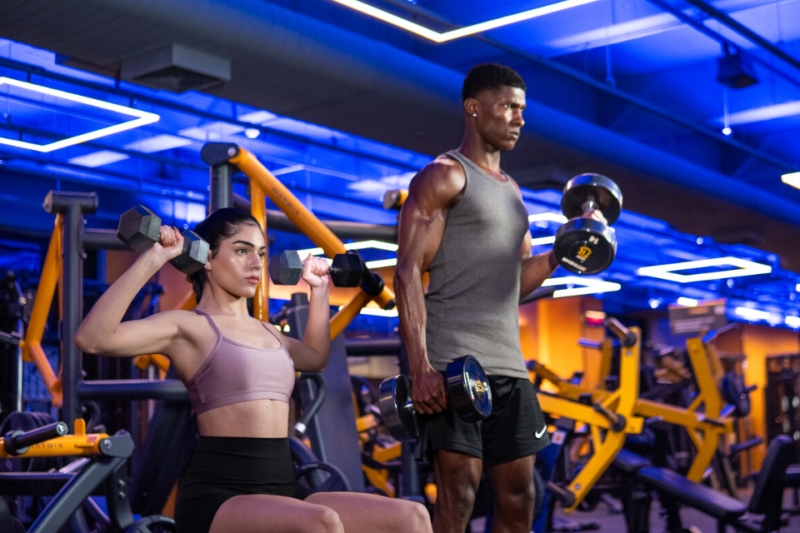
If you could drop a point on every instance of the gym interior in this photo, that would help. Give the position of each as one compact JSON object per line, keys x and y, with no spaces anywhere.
{"x":665,"y":356}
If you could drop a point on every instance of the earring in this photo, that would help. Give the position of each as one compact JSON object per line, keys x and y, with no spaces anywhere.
{"x":474,"y":114}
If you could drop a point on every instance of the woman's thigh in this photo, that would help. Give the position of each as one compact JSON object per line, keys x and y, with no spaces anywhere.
{"x":261,"y":513}
{"x":370,"y":513}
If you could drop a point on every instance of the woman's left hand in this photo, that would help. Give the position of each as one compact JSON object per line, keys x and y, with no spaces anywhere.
{"x":315,"y":272}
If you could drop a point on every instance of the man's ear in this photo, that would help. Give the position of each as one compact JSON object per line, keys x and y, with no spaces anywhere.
{"x":471,"y":106}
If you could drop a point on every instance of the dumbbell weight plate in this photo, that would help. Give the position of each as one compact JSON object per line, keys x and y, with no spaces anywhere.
{"x":139,"y":228}
{"x":585,"y":246}
{"x":468,"y":389}
{"x":397,"y":411}
{"x":286,"y":268}
{"x":194,"y":256}
{"x":603,"y":191}
{"x":346,"y":270}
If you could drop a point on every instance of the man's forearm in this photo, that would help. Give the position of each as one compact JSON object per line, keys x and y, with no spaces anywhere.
{"x":535,"y":270}
{"x":413,"y":320}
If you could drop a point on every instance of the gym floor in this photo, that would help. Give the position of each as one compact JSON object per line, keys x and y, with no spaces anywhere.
{"x":697,"y":521}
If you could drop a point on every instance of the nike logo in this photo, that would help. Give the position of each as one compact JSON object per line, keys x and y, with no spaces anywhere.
{"x":540,"y":433}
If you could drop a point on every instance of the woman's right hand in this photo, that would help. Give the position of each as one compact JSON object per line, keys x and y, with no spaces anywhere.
{"x":171,"y":245}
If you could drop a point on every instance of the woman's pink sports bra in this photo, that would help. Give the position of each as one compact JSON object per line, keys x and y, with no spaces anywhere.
{"x":234,"y":373}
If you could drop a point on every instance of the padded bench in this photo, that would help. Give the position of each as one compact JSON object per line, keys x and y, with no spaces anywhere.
{"x":793,"y":476}
{"x":695,"y":495}
{"x":766,"y":499}
{"x":630,"y":463}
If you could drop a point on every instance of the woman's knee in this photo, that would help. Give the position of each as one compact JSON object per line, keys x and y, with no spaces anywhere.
{"x":417,"y":518}
{"x":321,"y":519}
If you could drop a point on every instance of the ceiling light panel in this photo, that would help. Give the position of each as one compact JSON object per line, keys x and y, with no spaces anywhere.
{"x":585,"y":286}
{"x":460,"y":32}
{"x":742,"y":267}
{"x":50,"y":98}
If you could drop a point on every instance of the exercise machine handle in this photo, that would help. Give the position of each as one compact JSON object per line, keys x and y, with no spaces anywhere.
{"x":10,"y":338}
{"x":301,"y":426}
{"x":17,"y":442}
{"x":627,"y":338}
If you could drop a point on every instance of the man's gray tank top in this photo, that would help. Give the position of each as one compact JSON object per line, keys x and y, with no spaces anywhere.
{"x":473,"y":295}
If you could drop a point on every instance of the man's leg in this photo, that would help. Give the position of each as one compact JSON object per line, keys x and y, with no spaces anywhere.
{"x":457,"y":479}
{"x":514,"y":495}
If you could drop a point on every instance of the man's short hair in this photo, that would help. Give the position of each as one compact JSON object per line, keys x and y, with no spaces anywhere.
{"x":492,"y":76}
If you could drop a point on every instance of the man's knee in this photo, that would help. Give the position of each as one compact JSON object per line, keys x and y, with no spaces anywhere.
{"x":456,"y":500}
{"x":516,"y":497}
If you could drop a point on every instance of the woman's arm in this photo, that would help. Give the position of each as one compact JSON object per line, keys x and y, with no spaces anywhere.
{"x":103,"y":331}
{"x":311,"y":355}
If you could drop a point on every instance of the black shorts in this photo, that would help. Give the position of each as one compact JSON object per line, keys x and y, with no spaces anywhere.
{"x":516,"y":428}
{"x":224,"y":467}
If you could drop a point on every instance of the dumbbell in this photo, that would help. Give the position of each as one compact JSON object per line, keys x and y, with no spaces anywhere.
{"x":139,"y":229}
{"x":584,"y":245}
{"x":286,"y":269}
{"x":466,"y":388}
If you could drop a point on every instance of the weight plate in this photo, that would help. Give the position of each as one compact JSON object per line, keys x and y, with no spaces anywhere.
{"x":468,"y":389}
{"x":346,"y":270}
{"x":585,"y":246}
{"x":397,"y":411}
{"x":286,"y":268}
{"x":603,"y":191}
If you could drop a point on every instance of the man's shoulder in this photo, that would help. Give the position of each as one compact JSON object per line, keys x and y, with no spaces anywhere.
{"x":443,"y":177}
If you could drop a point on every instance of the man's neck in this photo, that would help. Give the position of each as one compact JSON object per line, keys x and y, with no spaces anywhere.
{"x":487,"y":157}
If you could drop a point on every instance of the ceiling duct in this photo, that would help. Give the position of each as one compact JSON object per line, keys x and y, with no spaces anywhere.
{"x":176,"y":68}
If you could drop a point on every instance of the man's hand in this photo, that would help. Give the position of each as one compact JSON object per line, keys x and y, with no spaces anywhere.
{"x":595,"y":215}
{"x":427,"y":392}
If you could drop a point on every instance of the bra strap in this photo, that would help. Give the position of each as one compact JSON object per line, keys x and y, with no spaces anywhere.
{"x":210,"y":321}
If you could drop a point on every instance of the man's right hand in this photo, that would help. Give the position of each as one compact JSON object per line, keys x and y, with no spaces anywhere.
{"x":427,"y":392}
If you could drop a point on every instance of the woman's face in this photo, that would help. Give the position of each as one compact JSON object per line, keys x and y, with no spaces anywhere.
{"x":238,"y":264}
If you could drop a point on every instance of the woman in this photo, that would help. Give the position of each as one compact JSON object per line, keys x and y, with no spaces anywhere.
{"x":240,"y":477}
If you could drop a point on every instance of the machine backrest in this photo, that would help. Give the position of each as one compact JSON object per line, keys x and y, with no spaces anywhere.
{"x":768,"y":494}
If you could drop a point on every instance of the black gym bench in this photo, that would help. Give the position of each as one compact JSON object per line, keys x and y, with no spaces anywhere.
{"x":674,"y":489}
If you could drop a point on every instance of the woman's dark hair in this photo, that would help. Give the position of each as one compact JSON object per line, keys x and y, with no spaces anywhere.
{"x":491,"y":76}
{"x":218,"y":226}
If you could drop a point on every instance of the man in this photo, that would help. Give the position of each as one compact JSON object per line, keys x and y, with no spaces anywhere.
{"x":464,"y":222}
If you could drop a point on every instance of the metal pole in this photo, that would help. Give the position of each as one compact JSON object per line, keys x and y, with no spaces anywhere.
{"x":221,"y":190}
{"x":18,"y":371}
{"x":71,"y":356}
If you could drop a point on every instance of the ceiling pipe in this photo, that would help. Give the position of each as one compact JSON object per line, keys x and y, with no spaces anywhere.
{"x":745,"y":32}
{"x":708,"y":32}
{"x":609,"y":89}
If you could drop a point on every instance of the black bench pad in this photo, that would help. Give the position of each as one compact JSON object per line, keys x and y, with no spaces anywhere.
{"x":629,"y":462}
{"x":793,"y":476}
{"x":694,"y":494}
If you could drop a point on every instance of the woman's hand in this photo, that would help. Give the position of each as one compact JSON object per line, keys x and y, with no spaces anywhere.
{"x":315,"y":272}
{"x":171,"y":245}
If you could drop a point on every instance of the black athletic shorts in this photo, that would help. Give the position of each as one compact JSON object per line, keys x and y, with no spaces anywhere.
{"x":224,"y":467}
{"x":516,"y":428}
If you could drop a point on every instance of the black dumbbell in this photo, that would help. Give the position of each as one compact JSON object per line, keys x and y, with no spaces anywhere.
{"x":286,"y":269}
{"x":584,"y":245}
{"x":467,"y":391}
{"x":139,"y":229}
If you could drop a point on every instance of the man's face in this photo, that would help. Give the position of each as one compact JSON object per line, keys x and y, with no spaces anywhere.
{"x":499,"y":119}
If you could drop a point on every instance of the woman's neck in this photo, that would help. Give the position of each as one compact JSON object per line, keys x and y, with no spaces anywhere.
{"x":225,"y":303}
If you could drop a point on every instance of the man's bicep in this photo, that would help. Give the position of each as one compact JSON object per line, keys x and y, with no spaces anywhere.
{"x":424,"y":213}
